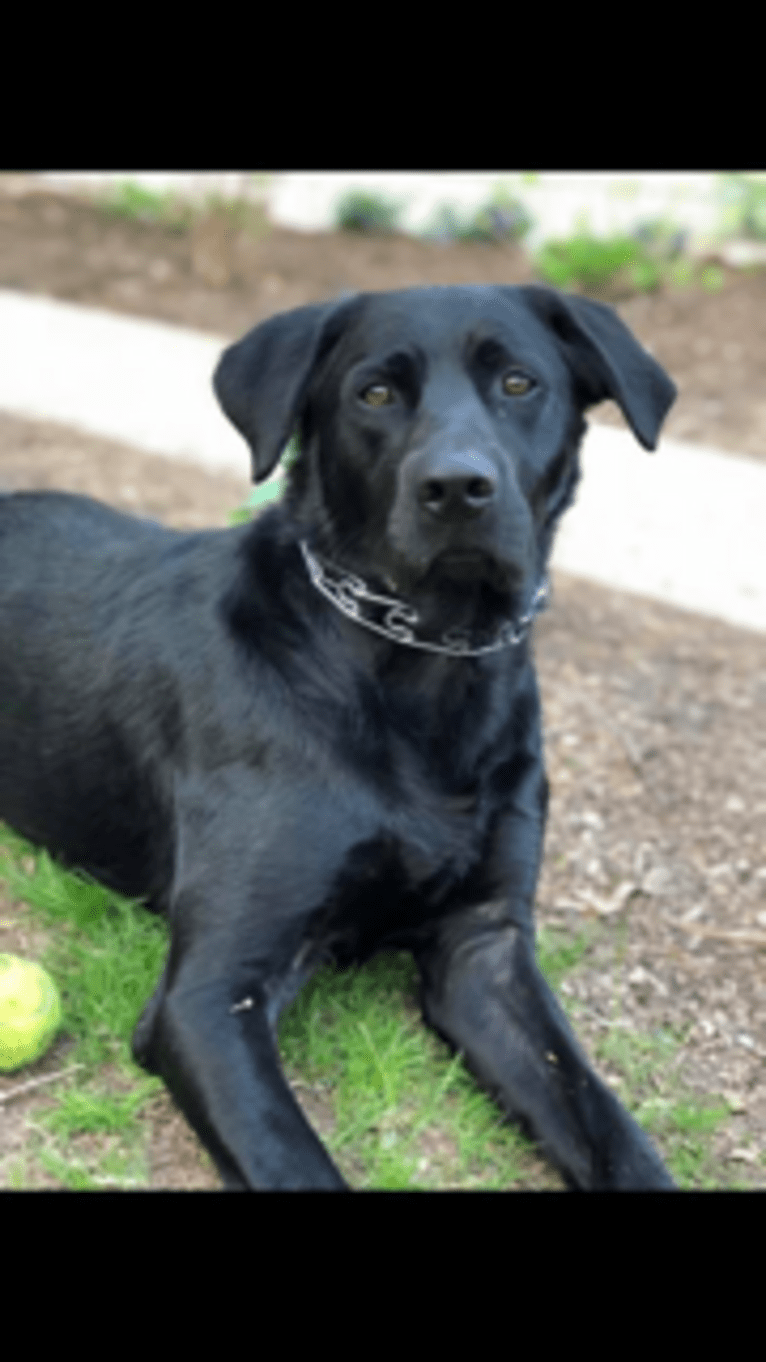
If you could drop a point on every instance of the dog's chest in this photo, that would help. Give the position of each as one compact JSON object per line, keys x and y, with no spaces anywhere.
{"x":420,"y":860}
{"x":437,"y":839}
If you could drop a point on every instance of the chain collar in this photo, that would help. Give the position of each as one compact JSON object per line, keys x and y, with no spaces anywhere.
{"x":398,"y":620}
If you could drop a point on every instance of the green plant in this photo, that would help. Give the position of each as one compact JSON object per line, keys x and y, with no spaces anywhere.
{"x":363,"y":210}
{"x":269,"y":491}
{"x":743,"y":206}
{"x":680,"y":273}
{"x":260,"y":496}
{"x":131,"y":200}
{"x":586,"y":260}
{"x":652,"y":254}
{"x":135,"y":202}
{"x":502,"y":218}
{"x":660,"y":239}
{"x":712,"y":277}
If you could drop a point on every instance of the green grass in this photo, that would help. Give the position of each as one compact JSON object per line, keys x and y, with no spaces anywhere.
{"x":396,"y":1108}
{"x":682,"y":1123}
{"x":108,"y":950}
{"x":557,"y":954}
{"x":105,"y":954}
{"x":645,"y":1067}
{"x":405,"y":1111}
{"x":406,"y":1114}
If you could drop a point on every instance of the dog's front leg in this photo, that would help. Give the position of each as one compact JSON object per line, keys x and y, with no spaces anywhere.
{"x":217,"y":1055}
{"x":485,"y":994}
{"x":483,"y":991}
{"x":242,"y":891}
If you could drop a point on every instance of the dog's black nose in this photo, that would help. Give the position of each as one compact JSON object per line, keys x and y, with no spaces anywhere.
{"x":457,"y":486}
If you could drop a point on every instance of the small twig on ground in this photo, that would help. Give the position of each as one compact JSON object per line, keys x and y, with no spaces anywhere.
{"x":631,"y":750}
{"x":743,"y":936}
{"x":37,"y":1082}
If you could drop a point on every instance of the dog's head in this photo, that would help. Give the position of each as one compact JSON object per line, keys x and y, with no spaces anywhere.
{"x":438,"y":427}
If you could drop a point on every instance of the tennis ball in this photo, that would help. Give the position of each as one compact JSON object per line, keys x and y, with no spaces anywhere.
{"x":30,"y":1012}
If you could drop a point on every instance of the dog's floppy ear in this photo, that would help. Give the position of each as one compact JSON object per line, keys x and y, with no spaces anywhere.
{"x":607,"y":360}
{"x":261,"y":380}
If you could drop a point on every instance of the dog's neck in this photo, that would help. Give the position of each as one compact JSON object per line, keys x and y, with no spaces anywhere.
{"x":396,"y":620}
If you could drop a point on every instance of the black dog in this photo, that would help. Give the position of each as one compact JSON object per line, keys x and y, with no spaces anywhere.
{"x":318,"y":735}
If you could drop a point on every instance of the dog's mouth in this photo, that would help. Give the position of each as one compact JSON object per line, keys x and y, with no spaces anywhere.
{"x":468,"y":563}
{"x":472,"y":565}
{"x":458,"y":573}
{"x":468,"y":583}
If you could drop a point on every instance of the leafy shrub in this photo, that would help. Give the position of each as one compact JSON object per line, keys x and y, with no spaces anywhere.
{"x":362,"y":210}
{"x":134,"y":201}
{"x":743,"y":199}
{"x":643,"y":259}
{"x":585,"y":260}
{"x":502,"y":219}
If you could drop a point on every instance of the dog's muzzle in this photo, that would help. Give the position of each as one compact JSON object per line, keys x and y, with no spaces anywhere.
{"x":456,"y":508}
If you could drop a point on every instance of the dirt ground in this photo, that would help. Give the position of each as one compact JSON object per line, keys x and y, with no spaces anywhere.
{"x":654,"y":717}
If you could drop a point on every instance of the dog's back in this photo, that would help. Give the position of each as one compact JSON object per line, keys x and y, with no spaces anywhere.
{"x":76,"y":582}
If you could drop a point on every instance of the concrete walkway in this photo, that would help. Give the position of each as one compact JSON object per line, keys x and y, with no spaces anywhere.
{"x":685,"y":525}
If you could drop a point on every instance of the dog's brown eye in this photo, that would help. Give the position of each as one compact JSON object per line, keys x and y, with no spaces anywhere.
{"x":377,"y":395}
{"x":515,"y":385}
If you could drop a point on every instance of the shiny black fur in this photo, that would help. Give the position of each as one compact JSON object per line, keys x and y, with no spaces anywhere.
{"x":187,"y":718}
